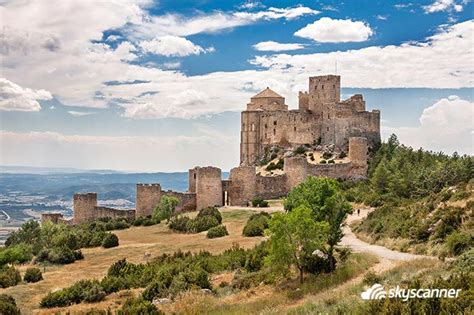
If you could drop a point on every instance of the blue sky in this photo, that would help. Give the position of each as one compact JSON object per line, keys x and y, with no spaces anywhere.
{"x":145,"y":85}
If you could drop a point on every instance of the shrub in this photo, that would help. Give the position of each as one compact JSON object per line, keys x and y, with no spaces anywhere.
{"x":110,"y":240}
{"x":78,"y":254}
{"x":210,"y":211}
{"x":200,"y":224}
{"x":342,"y":155}
{"x":33,"y":275}
{"x":179,"y":223}
{"x":15,"y":254}
{"x":138,"y":306}
{"x":8,"y":305}
{"x":153,"y":290}
{"x":327,"y":155}
{"x":322,"y":162}
{"x":331,"y":162}
{"x":371,"y":278}
{"x":217,"y":231}
{"x":58,"y":255}
{"x":256,"y":225}
{"x":112,"y":284}
{"x":300,"y":150}
{"x":9,"y":276}
{"x":94,"y":294}
{"x":458,"y":242}
{"x":259,"y":202}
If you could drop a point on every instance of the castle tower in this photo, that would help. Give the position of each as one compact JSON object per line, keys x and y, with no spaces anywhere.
{"x":242,"y":185}
{"x":208,"y":187}
{"x":358,"y":148}
{"x":84,"y":207}
{"x":323,"y":90}
{"x":296,"y":170}
{"x":148,"y":197}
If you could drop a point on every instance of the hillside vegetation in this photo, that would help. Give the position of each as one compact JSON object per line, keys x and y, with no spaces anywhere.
{"x":424,"y":200}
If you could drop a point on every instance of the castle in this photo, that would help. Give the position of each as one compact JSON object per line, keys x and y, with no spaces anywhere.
{"x":279,"y":148}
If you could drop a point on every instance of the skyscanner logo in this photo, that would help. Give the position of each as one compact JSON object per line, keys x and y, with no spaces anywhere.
{"x":377,"y":292}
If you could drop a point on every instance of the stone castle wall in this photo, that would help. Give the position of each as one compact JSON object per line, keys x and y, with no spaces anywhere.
{"x":51,"y":217}
{"x":187,"y":200}
{"x":147,"y":198}
{"x":208,"y":187}
{"x":106,"y":212}
{"x":84,"y":207}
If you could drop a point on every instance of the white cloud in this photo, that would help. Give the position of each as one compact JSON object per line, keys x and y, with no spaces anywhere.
{"x":137,"y":153}
{"x":178,"y":25}
{"x":442,"y":61}
{"x":16,"y":98}
{"x":275,"y":46}
{"x":249,"y":5}
{"x":172,"y":46}
{"x":327,"y":30}
{"x":447,"y":125}
{"x":381,"y":17}
{"x":79,"y":114}
{"x":443,"y":5}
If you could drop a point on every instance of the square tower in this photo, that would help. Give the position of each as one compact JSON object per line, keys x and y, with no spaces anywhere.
{"x":325,"y":89}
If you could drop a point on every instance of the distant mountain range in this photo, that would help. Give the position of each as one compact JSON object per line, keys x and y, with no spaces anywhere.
{"x":49,"y":170}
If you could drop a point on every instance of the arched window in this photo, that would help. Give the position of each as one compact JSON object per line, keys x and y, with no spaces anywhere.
{"x":253,"y":127}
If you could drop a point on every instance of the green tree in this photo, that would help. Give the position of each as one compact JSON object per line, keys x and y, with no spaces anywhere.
{"x":165,"y":208}
{"x":324,"y":198}
{"x":292,"y":235}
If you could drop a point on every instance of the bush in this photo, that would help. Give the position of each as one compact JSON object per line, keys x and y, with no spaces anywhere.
{"x":217,"y":231}
{"x":331,"y":162}
{"x":322,"y":162}
{"x":300,"y":150}
{"x":200,"y":224}
{"x":342,"y":155}
{"x":370,"y":278}
{"x":259,"y":202}
{"x":15,"y":254}
{"x":112,"y":284}
{"x":82,"y":291}
{"x":8,"y":305}
{"x":138,"y":306}
{"x":210,"y":211}
{"x":256,"y":225}
{"x":179,"y":223}
{"x":110,"y":240}
{"x":153,"y":290}
{"x":327,"y":155}
{"x":9,"y":276}
{"x":458,"y":242}
{"x":33,"y":275}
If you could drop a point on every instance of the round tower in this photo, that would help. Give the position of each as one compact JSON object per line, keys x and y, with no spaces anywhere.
{"x":296,"y":171}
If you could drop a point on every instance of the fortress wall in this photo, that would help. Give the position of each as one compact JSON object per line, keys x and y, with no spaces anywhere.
{"x":52,"y":217}
{"x":242,"y":185}
{"x":340,"y":170}
{"x":208,"y":187}
{"x":148,"y":197}
{"x":366,"y":124}
{"x":303,"y":101}
{"x":295,"y":169}
{"x":69,"y":221}
{"x":84,"y":205}
{"x":271,"y":187}
{"x":106,"y":212}
{"x":358,"y":151}
{"x":288,"y":128}
{"x":187,"y":201}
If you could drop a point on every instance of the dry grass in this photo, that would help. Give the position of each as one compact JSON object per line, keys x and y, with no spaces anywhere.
{"x":134,"y":243}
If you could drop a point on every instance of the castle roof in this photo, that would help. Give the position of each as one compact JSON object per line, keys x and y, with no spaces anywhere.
{"x":267,"y":93}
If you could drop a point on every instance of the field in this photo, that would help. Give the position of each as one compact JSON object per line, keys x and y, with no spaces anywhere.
{"x":328,"y":293}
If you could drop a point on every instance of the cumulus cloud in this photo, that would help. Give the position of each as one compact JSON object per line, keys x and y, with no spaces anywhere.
{"x":327,"y":30}
{"x":275,"y":46}
{"x":16,"y":98}
{"x":447,"y":125}
{"x":172,"y":46}
{"x":443,"y":5}
{"x":179,"y":25}
{"x":77,"y":71}
{"x":439,"y":62}
{"x":137,"y":153}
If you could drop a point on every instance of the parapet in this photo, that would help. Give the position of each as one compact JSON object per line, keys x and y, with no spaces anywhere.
{"x":52,"y":217}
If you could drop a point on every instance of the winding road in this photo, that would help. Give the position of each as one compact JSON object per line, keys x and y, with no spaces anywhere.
{"x":357,"y":245}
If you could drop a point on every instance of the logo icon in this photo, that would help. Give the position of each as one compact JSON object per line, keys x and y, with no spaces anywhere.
{"x":375,"y":292}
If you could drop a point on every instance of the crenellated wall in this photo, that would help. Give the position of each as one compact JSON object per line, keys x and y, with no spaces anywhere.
{"x":106,"y":212}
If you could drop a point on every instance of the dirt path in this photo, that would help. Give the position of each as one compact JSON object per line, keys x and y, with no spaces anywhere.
{"x":382,"y":252}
